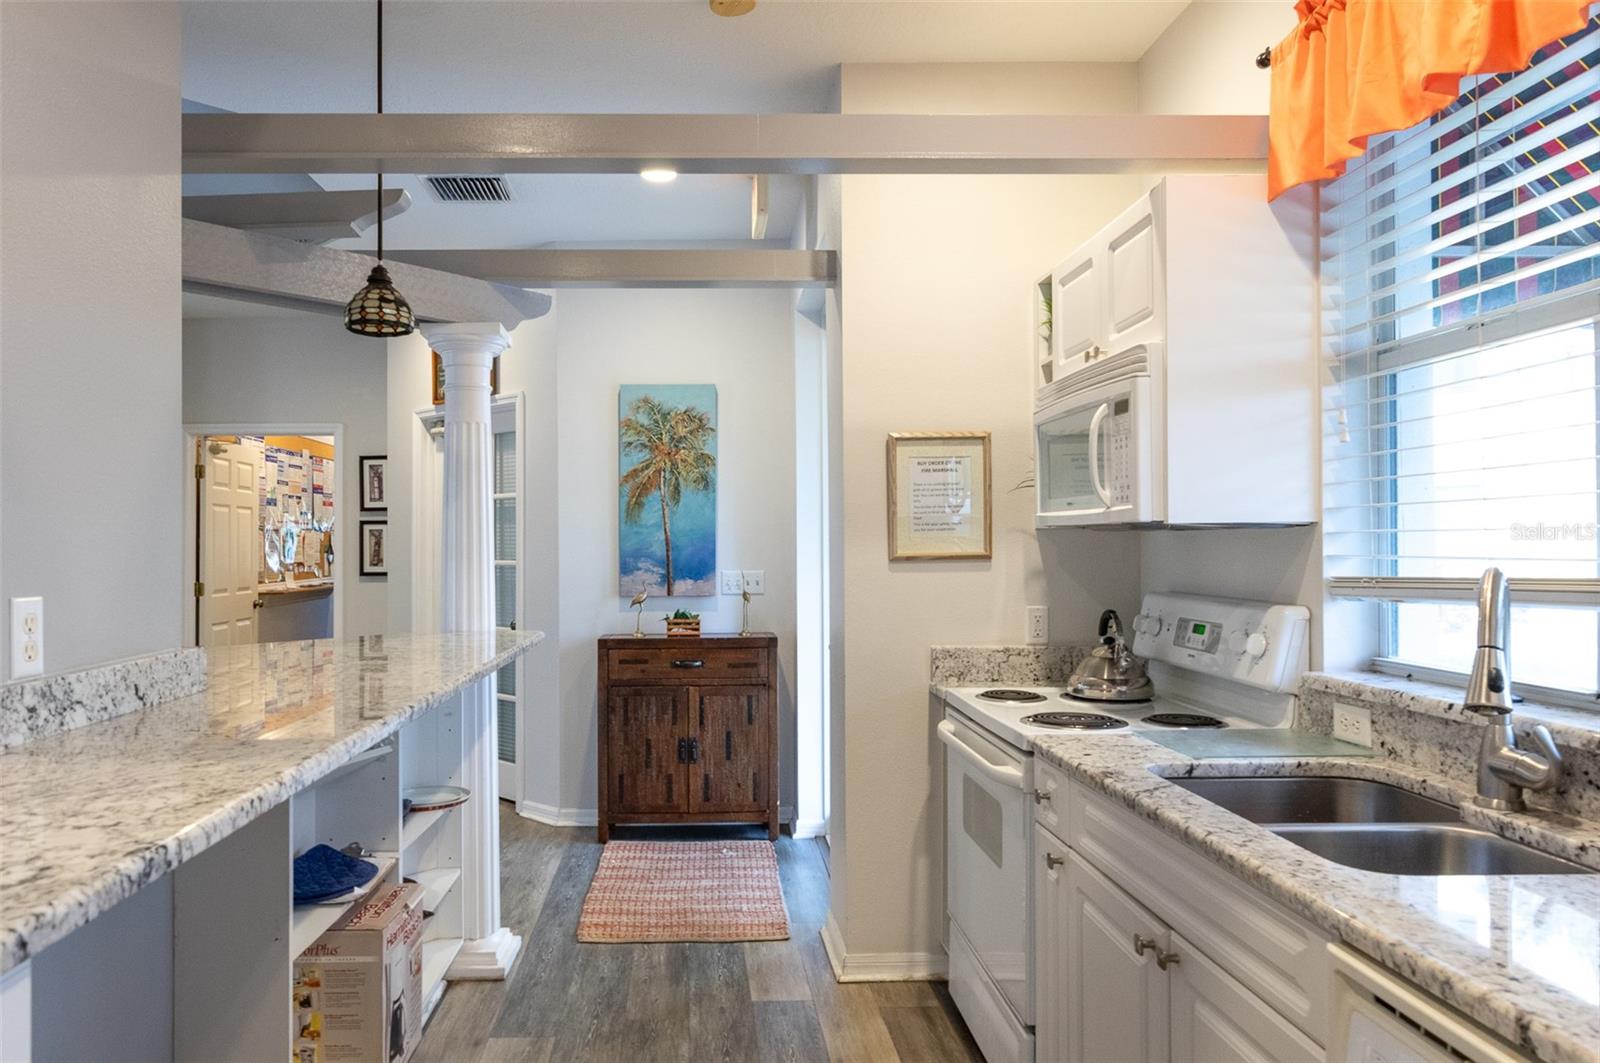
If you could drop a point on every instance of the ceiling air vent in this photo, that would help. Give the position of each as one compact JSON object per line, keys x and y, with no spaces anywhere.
{"x":466,"y":189}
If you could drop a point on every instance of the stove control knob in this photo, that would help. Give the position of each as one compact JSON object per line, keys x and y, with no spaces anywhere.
{"x":1147,"y":625}
{"x":1256,"y":645}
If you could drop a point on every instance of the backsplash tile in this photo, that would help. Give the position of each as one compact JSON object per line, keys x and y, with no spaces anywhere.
{"x":954,"y":666}
{"x":32,"y":708}
{"x":1414,"y":724}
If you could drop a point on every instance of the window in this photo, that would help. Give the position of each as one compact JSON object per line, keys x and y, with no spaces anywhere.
{"x":1462,"y":258}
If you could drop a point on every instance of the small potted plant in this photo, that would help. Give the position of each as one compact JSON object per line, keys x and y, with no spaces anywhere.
{"x":683,"y":622}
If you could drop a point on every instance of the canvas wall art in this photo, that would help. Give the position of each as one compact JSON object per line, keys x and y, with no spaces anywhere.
{"x":667,"y":464}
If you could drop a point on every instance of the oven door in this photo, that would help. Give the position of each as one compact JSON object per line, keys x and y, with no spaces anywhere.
{"x":1093,"y":456}
{"x":987,"y":856}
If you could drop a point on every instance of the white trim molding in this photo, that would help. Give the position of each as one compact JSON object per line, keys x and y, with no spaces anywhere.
{"x":554,"y":816}
{"x":880,"y":966}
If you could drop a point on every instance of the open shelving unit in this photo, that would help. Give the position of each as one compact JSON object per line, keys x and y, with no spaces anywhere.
{"x":310,"y":920}
{"x":1044,"y":365}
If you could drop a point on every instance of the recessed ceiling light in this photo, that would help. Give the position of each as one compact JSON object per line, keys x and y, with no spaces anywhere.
{"x":730,"y":8}
{"x":659,"y":175}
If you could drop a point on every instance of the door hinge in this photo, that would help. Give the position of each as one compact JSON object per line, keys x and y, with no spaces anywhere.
{"x":199,"y":589}
{"x":199,"y":472}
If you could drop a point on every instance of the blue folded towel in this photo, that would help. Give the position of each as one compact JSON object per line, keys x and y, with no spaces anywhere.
{"x":323,"y":872}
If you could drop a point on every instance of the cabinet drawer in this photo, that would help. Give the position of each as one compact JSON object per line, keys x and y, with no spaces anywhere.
{"x":1273,"y":952}
{"x":691,"y":664}
{"x":1049,"y":797}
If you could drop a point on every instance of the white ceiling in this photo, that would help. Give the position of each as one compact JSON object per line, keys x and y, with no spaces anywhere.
{"x":611,"y":55}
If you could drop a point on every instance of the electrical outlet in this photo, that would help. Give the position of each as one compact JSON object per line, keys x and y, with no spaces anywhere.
{"x":732,"y":581}
{"x":1038,"y":625}
{"x":1351,"y":723}
{"x":755,"y":580}
{"x":27,"y":637}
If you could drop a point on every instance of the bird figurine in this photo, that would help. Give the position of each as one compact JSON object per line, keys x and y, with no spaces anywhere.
{"x":638,"y":603}
{"x":745,"y":627}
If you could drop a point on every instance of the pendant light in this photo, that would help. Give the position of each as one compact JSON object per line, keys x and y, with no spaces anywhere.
{"x":379,"y":309}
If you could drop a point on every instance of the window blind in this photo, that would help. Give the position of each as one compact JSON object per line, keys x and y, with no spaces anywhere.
{"x":1461,"y":278}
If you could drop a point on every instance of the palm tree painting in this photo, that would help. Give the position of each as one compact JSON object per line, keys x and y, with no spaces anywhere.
{"x":667,"y":451}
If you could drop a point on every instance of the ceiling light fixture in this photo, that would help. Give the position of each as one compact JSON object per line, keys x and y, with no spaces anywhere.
{"x":379,"y":309}
{"x":731,"y":8}
{"x":659,"y":175}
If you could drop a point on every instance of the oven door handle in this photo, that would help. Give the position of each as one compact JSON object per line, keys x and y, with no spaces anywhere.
{"x":1005,"y":776}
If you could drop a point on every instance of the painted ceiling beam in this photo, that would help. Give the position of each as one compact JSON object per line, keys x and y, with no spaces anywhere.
{"x":314,"y":216}
{"x":259,"y":267}
{"x":652,"y":268}
{"x":725,"y":143}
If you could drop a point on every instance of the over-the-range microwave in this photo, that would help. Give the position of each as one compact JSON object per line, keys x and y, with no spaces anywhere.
{"x":1122,"y":444}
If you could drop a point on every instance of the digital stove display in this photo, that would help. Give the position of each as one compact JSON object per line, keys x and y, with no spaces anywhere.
{"x":1202,"y":636}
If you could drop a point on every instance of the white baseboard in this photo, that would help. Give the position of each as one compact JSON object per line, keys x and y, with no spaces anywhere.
{"x":809,"y":828}
{"x":880,"y":966}
{"x":552,"y":816}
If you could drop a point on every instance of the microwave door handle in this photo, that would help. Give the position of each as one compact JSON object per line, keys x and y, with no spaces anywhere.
{"x":1094,"y":453}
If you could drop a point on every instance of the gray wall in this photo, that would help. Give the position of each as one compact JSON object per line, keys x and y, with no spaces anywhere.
{"x":90,"y":441}
{"x":298,"y":369}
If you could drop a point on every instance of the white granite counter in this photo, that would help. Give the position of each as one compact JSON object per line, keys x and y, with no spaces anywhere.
{"x":94,"y":814}
{"x":1521,"y":955}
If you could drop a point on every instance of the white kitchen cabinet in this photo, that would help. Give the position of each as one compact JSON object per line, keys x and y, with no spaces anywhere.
{"x":1116,"y":994}
{"x":1215,"y":1018}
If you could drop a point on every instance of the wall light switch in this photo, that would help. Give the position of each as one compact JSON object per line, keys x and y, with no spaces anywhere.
{"x":27,"y":637}
{"x":755,"y":580}
{"x":1351,"y":723}
{"x":732,"y":581}
{"x":1038,"y":625}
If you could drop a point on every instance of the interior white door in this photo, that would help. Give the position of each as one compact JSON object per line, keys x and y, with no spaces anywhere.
{"x":229,"y":547}
{"x":1116,"y":995}
{"x":1214,"y":1017}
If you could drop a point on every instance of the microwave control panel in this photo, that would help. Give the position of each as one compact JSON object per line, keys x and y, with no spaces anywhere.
{"x":1119,"y":454}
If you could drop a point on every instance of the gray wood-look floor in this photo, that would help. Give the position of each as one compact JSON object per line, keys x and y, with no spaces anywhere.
{"x":769,"y":1000}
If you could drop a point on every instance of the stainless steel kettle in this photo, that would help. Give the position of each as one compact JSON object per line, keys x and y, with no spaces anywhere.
{"x":1111,"y":672}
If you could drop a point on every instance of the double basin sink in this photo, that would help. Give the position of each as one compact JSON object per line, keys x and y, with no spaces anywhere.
{"x":1374,"y":826}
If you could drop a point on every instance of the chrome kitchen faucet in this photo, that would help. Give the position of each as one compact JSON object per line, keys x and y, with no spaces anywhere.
{"x":1504,"y":770}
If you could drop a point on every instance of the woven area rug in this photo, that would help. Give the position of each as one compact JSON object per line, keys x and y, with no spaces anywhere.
{"x":685,"y":891}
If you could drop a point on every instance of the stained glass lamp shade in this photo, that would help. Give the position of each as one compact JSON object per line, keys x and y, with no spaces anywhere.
{"x":379,"y":309}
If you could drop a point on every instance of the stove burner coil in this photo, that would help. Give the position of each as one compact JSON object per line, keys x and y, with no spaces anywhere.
{"x":1183,"y":719}
{"x":1075,"y":721}
{"x":1014,"y":696}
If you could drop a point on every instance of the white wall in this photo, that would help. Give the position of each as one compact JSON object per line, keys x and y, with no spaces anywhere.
{"x":1205,"y":61}
{"x":741,"y":341}
{"x":299,"y":369}
{"x":936,"y":325}
{"x":89,"y":325}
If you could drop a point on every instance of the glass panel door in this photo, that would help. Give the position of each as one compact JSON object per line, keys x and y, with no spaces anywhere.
{"x":1067,"y":453}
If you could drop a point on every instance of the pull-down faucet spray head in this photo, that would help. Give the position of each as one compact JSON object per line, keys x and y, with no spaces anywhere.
{"x":1489,"y":687}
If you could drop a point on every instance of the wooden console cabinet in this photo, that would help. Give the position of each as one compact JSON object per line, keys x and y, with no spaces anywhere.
{"x":688,"y":730}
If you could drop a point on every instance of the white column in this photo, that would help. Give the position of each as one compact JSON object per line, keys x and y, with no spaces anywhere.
{"x":468,"y":352}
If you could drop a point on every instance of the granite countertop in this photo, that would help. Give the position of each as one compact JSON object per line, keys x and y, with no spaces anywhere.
{"x":94,"y":814}
{"x":1521,"y":955}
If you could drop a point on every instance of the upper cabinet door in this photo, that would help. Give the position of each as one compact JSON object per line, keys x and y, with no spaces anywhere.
{"x":1116,"y":994}
{"x":1133,"y":278}
{"x":730,"y":760}
{"x":1077,"y":312}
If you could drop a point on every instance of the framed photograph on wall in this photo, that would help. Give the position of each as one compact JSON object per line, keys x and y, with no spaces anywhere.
{"x":436,"y":372}
{"x":940,"y":499}
{"x":373,"y":470}
{"x":374,"y":547}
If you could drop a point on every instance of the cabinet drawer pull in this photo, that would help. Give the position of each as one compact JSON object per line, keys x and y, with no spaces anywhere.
{"x":1052,"y":861}
{"x":683,"y":751}
{"x":688,"y":664}
{"x":1166,"y":959}
{"x":1142,"y":943}
{"x":694,"y":751}
{"x":1041,"y":796}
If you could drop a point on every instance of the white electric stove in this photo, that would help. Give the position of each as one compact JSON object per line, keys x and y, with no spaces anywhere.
{"x":1215,"y":663}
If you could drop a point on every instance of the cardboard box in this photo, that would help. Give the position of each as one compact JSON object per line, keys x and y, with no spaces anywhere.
{"x":358,"y":989}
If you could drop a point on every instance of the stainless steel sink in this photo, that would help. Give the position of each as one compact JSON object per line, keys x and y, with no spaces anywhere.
{"x":1314,"y":799}
{"x":1425,"y":849}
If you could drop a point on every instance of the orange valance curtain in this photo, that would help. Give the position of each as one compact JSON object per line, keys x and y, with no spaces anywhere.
{"x":1354,"y":68}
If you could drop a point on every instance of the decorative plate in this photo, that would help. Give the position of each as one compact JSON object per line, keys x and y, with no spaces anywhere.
{"x":429,"y":798}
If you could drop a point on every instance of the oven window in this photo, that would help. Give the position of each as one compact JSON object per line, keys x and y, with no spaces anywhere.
{"x":983,"y":819}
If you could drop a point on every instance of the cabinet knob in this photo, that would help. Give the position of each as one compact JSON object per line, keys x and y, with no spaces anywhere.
{"x":1040,"y":796}
{"x":1052,"y":861}
{"x":1166,"y":959}
{"x":1142,"y":943}
{"x":258,"y":603}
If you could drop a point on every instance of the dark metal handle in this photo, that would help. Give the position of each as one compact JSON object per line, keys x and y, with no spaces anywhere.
{"x":694,"y":751}
{"x":683,"y":750}
{"x":1141,"y":943}
{"x":1166,"y":959}
{"x":688,"y":664}
{"x":1041,"y":796}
